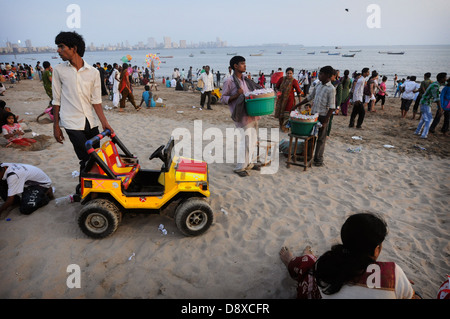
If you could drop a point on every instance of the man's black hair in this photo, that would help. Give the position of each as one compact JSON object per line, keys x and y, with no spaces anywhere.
{"x":46,"y":64}
{"x":328,"y":70}
{"x":71,"y":39}
{"x":364,"y":70}
{"x":427,"y":75}
{"x":236,"y":60}
{"x":441,"y":76}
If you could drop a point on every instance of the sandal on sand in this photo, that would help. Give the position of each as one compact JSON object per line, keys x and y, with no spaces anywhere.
{"x":138,"y":109}
{"x":242,"y":173}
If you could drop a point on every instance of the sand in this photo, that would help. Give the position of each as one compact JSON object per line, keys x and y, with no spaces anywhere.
{"x":238,"y":256}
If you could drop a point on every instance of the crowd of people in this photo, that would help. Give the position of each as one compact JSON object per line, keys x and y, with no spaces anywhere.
{"x":343,"y":272}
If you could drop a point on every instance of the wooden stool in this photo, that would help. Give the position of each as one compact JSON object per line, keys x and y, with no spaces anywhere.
{"x":268,"y":149}
{"x":308,"y":146}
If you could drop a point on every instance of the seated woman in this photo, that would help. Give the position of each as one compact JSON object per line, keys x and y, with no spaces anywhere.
{"x":350,"y":270}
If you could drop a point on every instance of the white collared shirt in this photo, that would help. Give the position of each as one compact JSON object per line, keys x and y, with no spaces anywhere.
{"x":208,"y":81}
{"x":75,"y":92}
{"x":358,"y":92}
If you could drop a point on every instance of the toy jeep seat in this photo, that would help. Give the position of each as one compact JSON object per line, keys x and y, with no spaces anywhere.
{"x":114,"y":160}
{"x":126,"y":177}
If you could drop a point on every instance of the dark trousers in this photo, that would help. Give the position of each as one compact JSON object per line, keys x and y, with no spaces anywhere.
{"x":321,"y":140}
{"x":203,"y":97}
{"x":79,"y":139}
{"x":417,"y":103}
{"x":437,"y":119}
{"x":127,"y":94}
{"x":358,"y":109}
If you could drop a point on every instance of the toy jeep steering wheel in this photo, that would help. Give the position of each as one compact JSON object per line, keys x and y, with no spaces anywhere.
{"x":158,"y":153}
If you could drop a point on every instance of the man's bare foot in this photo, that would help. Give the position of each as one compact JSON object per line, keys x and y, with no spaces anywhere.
{"x":308,"y":251}
{"x":286,"y":255}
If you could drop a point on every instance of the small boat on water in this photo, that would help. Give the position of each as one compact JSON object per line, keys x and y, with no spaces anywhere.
{"x":191,"y":55}
{"x":54,"y":57}
{"x":235,"y":53}
{"x":279,"y":52}
{"x":166,"y":57}
{"x":355,"y":50}
{"x":337,"y":48}
{"x":348,"y":55}
{"x":335,"y":53}
{"x":202,"y":52}
{"x":382,"y":52}
{"x":324,"y":51}
{"x":311,"y":52}
{"x":256,"y":54}
{"x":396,"y":53}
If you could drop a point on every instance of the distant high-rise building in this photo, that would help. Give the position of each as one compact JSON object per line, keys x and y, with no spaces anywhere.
{"x":167,"y":43}
{"x":28,"y":43}
{"x":183,"y":44}
{"x":151,"y":43}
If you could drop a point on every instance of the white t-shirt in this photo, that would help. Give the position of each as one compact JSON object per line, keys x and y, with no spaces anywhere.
{"x":409,"y":86}
{"x":403,"y":290}
{"x":23,"y":176}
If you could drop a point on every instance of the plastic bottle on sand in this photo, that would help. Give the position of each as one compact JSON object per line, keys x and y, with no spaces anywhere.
{"x":64,"y":200}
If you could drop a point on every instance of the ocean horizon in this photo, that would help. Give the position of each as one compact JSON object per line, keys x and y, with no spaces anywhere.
{"x":416,"y":60}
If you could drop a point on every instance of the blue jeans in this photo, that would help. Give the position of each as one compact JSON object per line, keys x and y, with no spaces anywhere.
{"x":425,"y":120}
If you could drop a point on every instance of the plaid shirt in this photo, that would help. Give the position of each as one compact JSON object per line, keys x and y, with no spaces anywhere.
{"x":323,"y":97}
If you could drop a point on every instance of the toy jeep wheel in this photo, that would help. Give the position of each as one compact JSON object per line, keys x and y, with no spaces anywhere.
{"x":193,"y":217}
{"x":99,"y":218}
{"x":214,"y":99}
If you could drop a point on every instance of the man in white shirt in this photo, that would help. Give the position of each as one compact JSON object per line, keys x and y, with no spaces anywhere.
{"x":77,"y":96}
{"x":208,"y":87}
{"x":358,"y":95}
{"x":26,"y":180}
{"x":409,"y":88}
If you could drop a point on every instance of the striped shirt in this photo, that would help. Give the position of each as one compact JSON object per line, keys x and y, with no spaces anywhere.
{"x":323,"y":97}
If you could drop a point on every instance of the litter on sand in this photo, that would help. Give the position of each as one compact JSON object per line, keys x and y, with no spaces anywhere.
{"x":420,"y":147}
{"x":131,"y":257}
{"x":75,"y":174}
{"x":224,"y":211}
{"x":180,"y":112}
{"x":388,"y":146}
{"x":162,"y":229}
{"x":357,"y":138}
{"x":354,"y":150}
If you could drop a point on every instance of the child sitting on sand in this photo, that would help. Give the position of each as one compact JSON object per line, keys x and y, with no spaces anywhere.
{"x":147,"y":96}
{"x":13,"y":132}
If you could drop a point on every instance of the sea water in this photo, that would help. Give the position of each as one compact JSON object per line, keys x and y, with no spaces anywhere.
{"x":417,"y":60}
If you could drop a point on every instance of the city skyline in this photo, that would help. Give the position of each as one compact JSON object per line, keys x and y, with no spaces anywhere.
{"x":151,"y":43}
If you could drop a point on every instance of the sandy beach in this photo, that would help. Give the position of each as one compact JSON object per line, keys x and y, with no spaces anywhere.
{"x":238,"y":257}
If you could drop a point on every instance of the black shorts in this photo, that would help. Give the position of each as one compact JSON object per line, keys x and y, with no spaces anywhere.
{"x":406,"y":104}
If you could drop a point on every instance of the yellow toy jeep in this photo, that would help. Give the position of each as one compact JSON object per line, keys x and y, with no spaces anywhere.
{"x":113,"y":184}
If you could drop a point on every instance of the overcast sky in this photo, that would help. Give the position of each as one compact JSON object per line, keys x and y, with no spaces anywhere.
{"x":239,"y":22}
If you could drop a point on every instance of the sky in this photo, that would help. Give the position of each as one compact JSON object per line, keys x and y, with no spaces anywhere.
{"x":238,"y":22}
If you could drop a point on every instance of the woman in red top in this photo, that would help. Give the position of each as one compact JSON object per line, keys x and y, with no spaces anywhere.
{"x":287,"y":85}
{"x":125,"y":89}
